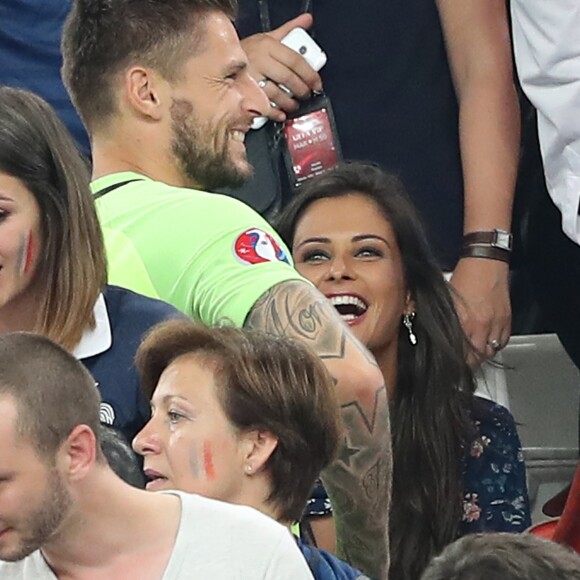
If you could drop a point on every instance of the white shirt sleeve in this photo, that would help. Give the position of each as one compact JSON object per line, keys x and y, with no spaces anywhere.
{"x":287,"y":562}
{"x":547,"y":49}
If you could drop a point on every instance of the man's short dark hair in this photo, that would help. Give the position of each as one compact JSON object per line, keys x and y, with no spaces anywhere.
{"x":53,"y":391}
{"x":264,"y":382}
{"x":504,"y":556}
{"x":103,"y":37}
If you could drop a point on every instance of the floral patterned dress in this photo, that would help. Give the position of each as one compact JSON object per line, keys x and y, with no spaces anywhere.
{"x":495,"y":494}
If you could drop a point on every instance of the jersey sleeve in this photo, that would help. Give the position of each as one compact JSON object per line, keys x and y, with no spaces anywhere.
{"x":240,"y":257}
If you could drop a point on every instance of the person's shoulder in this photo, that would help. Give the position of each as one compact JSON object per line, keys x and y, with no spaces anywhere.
{"x":235,"y":516}
{"x":327,"y":566}
{"x":491,"y":415}
{"x":129,"y":305}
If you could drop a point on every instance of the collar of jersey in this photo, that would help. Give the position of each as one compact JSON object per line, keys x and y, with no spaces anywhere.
{"x":112,"y":178}
{"x":98,"y":339}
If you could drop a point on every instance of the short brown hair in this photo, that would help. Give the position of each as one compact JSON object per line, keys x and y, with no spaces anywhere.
{"x":264,"y":382}
{"x":53,"y":391}
{"x":506,"y":557}
{"x":37,"y":149}
{"x":102,"y":37}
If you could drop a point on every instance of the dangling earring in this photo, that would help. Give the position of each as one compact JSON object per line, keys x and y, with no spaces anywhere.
{"x":408,"y":323}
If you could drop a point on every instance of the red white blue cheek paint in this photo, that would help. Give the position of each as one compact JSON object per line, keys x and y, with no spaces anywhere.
{"x":194,"y":462}
{"x":25,"y":254}
{"x":208,"y":461}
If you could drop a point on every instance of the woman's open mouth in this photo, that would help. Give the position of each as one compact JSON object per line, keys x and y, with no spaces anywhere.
{"x":351,"y":307}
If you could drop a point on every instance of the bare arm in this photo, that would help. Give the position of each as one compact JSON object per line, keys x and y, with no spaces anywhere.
{"x":359,"y":481}
{"x":479,"y":51}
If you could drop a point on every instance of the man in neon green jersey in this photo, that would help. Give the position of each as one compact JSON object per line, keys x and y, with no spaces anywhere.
{"x":164,"y":89}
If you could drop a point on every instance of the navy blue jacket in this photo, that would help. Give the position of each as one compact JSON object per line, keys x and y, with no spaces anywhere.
{"x":326,"y":566}
{"x":131,"y":316}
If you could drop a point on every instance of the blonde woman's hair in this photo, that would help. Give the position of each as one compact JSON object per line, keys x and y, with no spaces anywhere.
{"x":37,"y":149}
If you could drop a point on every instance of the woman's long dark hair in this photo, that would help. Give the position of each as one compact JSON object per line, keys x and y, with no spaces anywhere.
{"x":430,"y":414}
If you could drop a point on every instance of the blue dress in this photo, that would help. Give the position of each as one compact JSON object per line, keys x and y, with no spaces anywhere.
{"x":495,"y":495}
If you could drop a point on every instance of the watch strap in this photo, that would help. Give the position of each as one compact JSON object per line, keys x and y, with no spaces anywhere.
{"x":495,"y":238}
{"x":487,"y":252}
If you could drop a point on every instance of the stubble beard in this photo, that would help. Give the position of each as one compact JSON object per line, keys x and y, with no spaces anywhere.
{"x":212,"y":169}
{"x":44,"y":524}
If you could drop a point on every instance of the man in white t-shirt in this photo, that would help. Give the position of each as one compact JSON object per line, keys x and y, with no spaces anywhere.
{"x":65,"y":514}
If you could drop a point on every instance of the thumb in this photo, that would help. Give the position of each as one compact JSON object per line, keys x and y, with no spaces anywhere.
{"x":302,"y":21}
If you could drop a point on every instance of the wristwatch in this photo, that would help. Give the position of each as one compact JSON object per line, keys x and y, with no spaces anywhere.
{"x":495,"y":238}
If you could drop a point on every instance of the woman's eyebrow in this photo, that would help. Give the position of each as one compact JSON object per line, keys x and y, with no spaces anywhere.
{"x":362,"y":237}
{"x":310,"y":240}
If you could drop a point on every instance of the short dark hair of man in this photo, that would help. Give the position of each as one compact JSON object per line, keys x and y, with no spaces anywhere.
{"x":101,"y":38}
{"x":53,"y":391}
{"x":120,"y":457}
{"x":264,"y":382}
{"x":504,"y":557}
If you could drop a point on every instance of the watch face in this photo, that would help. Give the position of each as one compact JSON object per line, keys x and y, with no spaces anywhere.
{"x":503,"y":240}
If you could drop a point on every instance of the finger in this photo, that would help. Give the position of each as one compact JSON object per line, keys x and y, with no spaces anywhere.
{"x":288,"y":68}
{"x":282,"y":100}
{"x":301,"y":21}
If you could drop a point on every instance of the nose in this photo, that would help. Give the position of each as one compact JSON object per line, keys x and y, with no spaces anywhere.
{"x":339,"y":269}
{"x":254,"y":98}
{"x":147,"y":441}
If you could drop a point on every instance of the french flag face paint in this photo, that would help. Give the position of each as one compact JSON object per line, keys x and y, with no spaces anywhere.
{"x":25,"y":254}
{"x":208,"y":461}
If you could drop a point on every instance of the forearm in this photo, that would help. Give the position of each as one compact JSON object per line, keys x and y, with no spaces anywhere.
{"x":358,"y":482}
{"x":359,"y":486}
{"x":489,"y":128}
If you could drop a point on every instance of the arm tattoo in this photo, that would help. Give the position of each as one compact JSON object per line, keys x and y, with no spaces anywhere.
{"x":359,"y":486}
{"x":297,"y":310}
{"x":359,"y":480}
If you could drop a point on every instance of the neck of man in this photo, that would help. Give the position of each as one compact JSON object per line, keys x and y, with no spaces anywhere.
{"x":114,"y":154}
{"x":114,"y":528}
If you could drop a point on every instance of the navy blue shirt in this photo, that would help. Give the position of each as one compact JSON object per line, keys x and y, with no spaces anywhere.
{"x":30,"y":57}
{"x":326,"y":566}
{"x":131,"y":316}
{"x":393,"y":98}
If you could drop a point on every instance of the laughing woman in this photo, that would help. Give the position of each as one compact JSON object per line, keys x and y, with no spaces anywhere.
{"x":457,"y":458}
{"x":52,"y":259}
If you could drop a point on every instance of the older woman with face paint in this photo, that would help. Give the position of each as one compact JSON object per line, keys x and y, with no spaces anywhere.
{"x":239,"y":416}
{"x":52,"y":259}
{"x":457,"y":458}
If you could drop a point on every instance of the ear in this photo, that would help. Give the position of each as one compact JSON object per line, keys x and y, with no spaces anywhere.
{"x":79,"y":452}
{"x":258,"y":447}
{"x":145,"y":92}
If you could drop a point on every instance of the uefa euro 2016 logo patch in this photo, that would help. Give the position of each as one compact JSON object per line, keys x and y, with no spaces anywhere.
{"x":256,"y":246}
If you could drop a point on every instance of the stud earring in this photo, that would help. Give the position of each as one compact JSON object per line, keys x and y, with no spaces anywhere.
{"x":248,"y":469}
{"x":408,"y":323}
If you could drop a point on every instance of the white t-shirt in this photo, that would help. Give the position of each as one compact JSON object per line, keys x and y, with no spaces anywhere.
{"x":547,"y":48}
{"x":215,"y":541}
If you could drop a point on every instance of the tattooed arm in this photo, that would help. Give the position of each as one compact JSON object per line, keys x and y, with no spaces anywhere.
{"x":359,"y":481}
